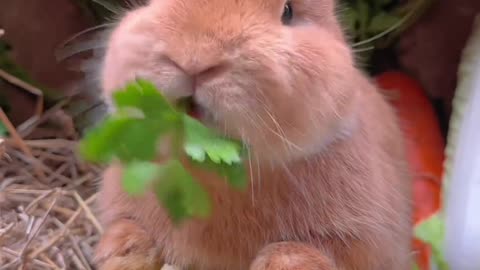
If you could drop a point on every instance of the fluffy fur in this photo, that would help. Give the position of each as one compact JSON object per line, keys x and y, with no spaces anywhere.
{"x":328,"y":188}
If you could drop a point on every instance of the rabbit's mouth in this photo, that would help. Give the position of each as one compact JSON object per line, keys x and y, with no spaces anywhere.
{"x":192,"y":108}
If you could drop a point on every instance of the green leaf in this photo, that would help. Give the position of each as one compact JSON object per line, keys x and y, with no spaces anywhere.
{"x":122,"y":137}
{"x":234,"y":174}
{"x":201,"y":142}
{"x":180,"y":193}
{"x":381,"y":22}
{"x":144,"y":96}
{"x":143,"y":116}
{"x":138,"y":175}
{"x":215,"y":153}
{"x":349,"y":18}
{"x":195,"y":152}
{"x":100,"y":142}
{"x":363,"y":13}
{"x":432,"y":232}
{"x":139,"y":141}
{"x":3,"y":130}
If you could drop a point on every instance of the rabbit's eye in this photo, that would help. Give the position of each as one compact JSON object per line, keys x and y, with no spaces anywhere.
{"x":287,"y":13}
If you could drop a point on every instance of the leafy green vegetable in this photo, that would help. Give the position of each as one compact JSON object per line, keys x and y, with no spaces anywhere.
{"x":133,"y":131}
{"x":131,"y":136}
{"x":144,"y":96}
{"x":221,"y":155}
{"x":138,"y":175}
{"x":114,"y":139}
{"x":181,"y":193}
{"x":201,"y":142}
{"x":432,"y":231}
{"x":235,"y":174}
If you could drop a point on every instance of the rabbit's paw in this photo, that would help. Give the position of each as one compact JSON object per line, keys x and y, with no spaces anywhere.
{"x":291,"y":256}
{"x":126,"y":246}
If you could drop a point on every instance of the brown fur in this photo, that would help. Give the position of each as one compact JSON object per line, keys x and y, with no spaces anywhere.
{"x":328,"y":181}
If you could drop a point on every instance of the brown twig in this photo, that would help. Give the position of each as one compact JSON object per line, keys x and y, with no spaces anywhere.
{"x":27,"y":87}
{"x":79,"y":252}
{"x":88,"y":212}
{"x":38,"y":199}
{"x":32,"y":236}
{"x":61,"y":234}
{"x":13,"y":263}
{"x":50,"y":262}
{"x":20,"y":143}
{"x":27,"y":127}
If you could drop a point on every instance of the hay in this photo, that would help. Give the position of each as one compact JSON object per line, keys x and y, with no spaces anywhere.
{"x":47,"y":194}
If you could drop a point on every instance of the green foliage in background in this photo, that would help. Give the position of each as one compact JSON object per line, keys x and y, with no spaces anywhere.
{"x":9,"y":66}
{"x":367,"y":18}
{"x":135,"y":134}
{"x":376,"y":24}
{"x":4,"y":102}
{"x":100,"y":10}
{"x":3,"y":130}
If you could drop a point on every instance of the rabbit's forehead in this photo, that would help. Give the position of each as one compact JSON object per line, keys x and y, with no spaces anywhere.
{"x":231,"y":19}
{"x":226,"y":7}
{"x":195,"y":17}
{"x":246,"y":10}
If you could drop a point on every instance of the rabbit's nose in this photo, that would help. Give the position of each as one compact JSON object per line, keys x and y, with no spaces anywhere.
{"x":201,"y":70}
{"x":206,"y":74}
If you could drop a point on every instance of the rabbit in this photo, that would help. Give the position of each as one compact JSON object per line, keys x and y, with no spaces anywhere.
{"x":329,"y":186}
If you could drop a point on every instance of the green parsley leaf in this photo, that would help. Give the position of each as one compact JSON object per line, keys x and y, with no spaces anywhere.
{"x":124,"y":138}
{"x":131,"y":134}
{"x":144,"y":96}
{"x":200,"y":142}
{"x":99,"y":144}
{"x":180,"y":193}
{"x":212,"y":152}
{"x":234,"y":174}
{"x":133,"y":131}
{"x":138,"y":175}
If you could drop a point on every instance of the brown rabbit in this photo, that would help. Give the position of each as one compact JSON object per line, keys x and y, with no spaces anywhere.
{"x":329,"y":187}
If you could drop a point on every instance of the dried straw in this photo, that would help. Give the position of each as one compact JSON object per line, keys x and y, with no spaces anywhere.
{"x":47,"y":218}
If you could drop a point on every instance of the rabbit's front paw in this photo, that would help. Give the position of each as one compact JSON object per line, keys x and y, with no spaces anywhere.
{"x":126,"y":246}
{"x":291,"y":256}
